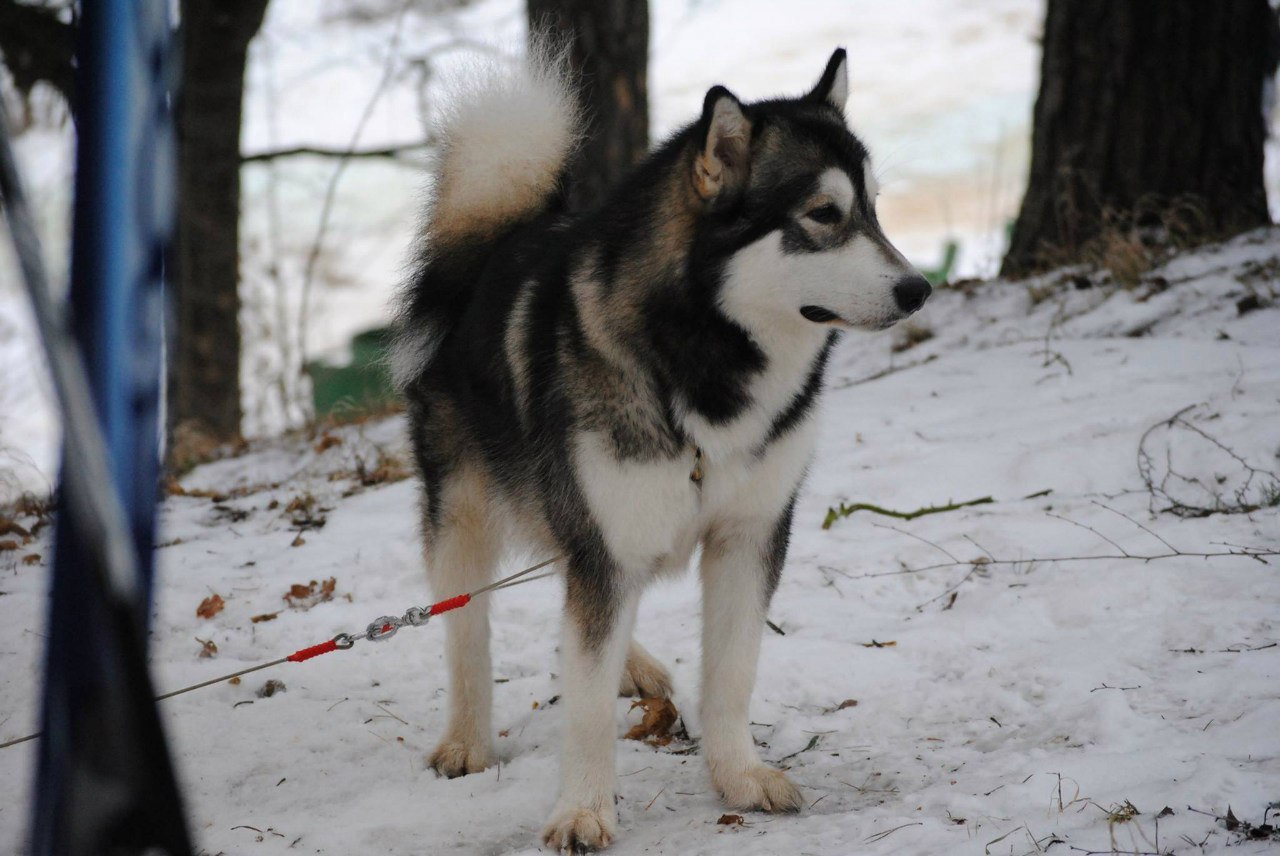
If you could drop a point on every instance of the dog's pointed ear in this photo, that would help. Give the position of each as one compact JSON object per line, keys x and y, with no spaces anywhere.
{"x":723,"y":162}
{"x":833,"y":86}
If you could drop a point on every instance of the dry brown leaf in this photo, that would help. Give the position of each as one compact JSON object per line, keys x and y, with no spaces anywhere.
{"x":303,"y":597}
{"x":874,"y":644}
{"x":270,"y":688}
{"x":731,"y":820}
{"x":207,"y":648}
{"x":235,"y":682}
{"x":210,"y":606}
{"x":8,"y":544}
{"x":660,"y":717}
{"x":174,"y":488}
{"x":298,"y":541}
{"x":849,"y":702}
{"x":11,"y":527}
{"x":266,"y":616}
{"x":301,"y":502}
{"x":33,"y":559}
{"x":385,"y":470}
{"x":327,"y":441}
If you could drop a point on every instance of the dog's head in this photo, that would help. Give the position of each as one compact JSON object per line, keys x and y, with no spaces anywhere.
{"x":788,"y":198}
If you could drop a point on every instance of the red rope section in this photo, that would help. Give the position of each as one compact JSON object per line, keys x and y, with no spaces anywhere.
{"x":304,"y":654}
{"x":452,"y":603}
{"x":313,"y":651}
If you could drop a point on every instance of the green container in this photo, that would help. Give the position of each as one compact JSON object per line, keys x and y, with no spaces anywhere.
{"x":361,"y":386}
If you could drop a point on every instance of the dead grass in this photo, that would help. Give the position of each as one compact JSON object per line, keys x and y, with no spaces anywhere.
{"x":190,"y":445}
{"x":1130,"y":243}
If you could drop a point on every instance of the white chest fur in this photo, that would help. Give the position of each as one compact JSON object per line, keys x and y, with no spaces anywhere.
{"x":652,"y":514}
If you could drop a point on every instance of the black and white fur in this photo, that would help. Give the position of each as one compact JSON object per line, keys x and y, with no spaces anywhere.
{"x":566,"y":375}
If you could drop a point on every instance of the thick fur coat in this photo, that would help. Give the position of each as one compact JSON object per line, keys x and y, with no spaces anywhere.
{"x":627,"y":385}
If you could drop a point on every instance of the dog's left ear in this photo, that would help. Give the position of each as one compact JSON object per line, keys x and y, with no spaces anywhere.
{"x":724,"y":160}
{"x":833,"y":86}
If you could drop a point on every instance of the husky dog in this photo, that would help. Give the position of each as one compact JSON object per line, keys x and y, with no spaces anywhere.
{"x":624,"y":386}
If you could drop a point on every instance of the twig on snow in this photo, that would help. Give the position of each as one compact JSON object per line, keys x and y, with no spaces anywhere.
{"x":834,"y":513}
{"x":880,"y":835}
{"x":1162,"y":483}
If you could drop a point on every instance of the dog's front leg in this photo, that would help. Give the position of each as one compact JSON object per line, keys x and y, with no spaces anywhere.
{"x":597,"y":630}
{"x":741,"y":561}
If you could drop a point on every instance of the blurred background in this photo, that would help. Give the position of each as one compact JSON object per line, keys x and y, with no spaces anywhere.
{"x":322,"y":111}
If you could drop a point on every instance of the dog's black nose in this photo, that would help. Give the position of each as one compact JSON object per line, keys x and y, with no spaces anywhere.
{"x":911,"y":292}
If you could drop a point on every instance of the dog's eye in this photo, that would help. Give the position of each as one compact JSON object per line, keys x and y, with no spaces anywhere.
{"x":827,"y":214}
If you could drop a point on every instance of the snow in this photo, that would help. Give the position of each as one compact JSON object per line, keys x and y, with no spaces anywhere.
{"x":1142,"y":681}
{"x":1043,"y":695}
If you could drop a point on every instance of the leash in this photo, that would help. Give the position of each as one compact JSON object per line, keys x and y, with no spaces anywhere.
{"x":379,"y":630}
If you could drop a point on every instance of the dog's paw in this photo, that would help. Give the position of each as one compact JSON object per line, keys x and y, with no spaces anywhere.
{"x":644,"y":677}
{"x":453,"y":758}
{"x":577,"y":829}
{"x":760,"y":788}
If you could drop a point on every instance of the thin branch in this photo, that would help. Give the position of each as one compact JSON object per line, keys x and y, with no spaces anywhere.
{"x":834,"y":513}
{"x":395,"y":153}
{"x":393,"y":50}
{"x":1135,"y":523}
{"x":845,"y":383}
{"x":882,"y":835}
{"x":952,"y":590}
{"x":922,"y":539}
{"x":1090,"y":529}
{"x":1158,"y":486}
{"x":988,"y":553}
{"x":1256,"y":553}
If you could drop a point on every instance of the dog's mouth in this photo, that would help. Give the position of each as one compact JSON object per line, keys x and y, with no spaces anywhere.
{"x":818,"y":315}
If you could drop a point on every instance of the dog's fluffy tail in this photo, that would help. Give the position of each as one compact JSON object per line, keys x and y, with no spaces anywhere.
{"x":506,"y":136}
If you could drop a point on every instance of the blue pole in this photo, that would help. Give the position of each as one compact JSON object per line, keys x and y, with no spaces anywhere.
{"x":105,"y":781}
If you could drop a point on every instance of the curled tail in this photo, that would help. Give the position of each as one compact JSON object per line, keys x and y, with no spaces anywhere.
{"x":506,"y":139}
{"x":506,"y":136}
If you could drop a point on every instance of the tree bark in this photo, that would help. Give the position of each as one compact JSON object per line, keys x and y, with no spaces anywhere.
{"x":609,"y":54}
{"x":204,"y":365}
{"x":1150,"y":114}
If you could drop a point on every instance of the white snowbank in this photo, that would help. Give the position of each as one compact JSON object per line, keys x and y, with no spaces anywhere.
{"x":1146,"y":682}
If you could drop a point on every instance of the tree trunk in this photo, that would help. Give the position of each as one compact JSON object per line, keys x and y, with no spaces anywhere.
{"x":204,"y":365}
{"x":609,"y":51}
{"x":1150,"y":114}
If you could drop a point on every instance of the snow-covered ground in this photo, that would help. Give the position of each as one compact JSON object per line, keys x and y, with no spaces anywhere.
{"x":1016,"y":705}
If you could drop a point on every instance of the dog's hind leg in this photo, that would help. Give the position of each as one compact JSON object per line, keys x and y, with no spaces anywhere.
{"x":597,"y":631}
{"x":462,"y":549}
{"x":643,"y":676}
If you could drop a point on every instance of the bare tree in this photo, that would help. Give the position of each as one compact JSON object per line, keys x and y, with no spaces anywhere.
{"x":204,"y":363}
{"x":1150,"y":114}
{"x":609,"y":52}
